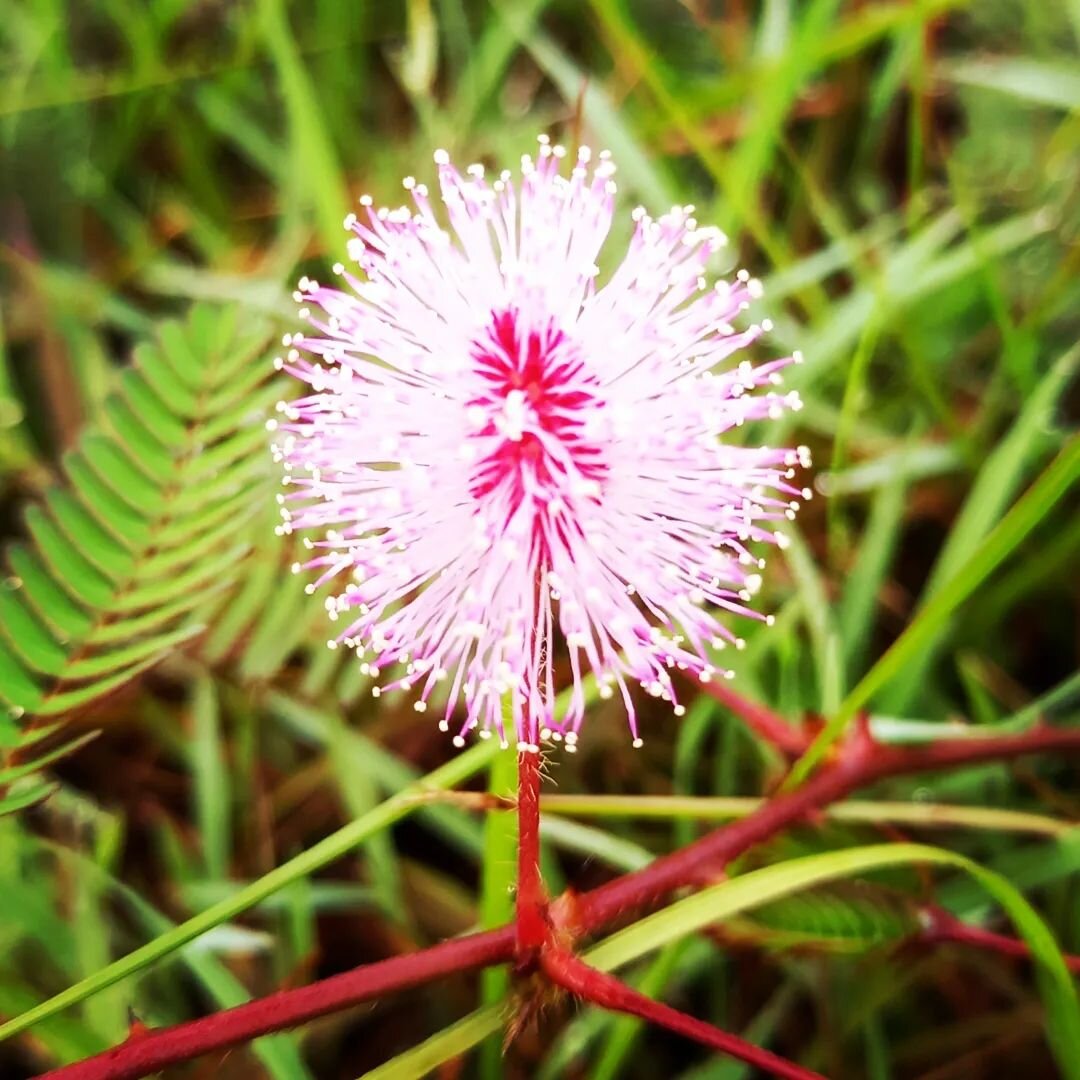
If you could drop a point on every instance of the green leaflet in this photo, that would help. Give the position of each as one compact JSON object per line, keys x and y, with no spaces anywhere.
{"x":115,"y":568}
{"x":852,"y":920}
{"x":20,"y":786}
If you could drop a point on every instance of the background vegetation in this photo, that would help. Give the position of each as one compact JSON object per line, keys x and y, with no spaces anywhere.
{"x":904,"y":176}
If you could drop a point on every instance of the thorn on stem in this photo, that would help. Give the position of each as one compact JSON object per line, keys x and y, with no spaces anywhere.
{"x":136,"y":1028}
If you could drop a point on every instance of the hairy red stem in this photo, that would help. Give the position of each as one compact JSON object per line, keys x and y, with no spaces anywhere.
{"x":598,"y":988}
{"x":861,"y":763}
{"x":149,"y":1051}
{"x":531,"y":919}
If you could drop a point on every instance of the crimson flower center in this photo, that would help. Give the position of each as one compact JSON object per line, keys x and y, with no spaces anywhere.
{"x":534,"y":417}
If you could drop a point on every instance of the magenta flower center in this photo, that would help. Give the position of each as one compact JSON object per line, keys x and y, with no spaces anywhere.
{"x":535,"y":417}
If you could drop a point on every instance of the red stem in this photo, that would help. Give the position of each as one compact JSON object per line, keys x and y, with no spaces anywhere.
{"x":942,"y":927}
{"x":860,"y":764}
{"x":149,"y":1051}
{"x":531,"y":911}
{"x":598,"y":988}
{"x":707,"y":857}
{"x":768,"y":725}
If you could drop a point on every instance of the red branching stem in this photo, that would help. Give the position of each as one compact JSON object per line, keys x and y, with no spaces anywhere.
{"x":860,"y":762}
{"x":706,"y":858}
{"x":943,"y":927}
{"x":150,"y":1051}
{"x":768,"y":725}
{"x":531,"y":919}
{"x":598,"y":988}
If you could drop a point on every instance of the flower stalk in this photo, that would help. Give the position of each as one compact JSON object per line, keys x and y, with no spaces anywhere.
{"x":531,"y":923}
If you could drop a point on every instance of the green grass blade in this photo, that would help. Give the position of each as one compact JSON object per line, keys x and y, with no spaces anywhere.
{"x":1035,"y":504}
{"x":626,"y":1031}
{"x":314,"y":162}
{"x":449,"y":1043}
{"x":498,"y":876}
{"x":458,"y":769}
{"x":759,"y":887}
{"x":997,"y":482}
{"x":210,"y":775}
{"x":1041,"y":82}
{"x":730,"y":808}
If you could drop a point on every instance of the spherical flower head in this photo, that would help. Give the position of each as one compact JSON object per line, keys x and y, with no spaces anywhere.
{"x":510,"y":468}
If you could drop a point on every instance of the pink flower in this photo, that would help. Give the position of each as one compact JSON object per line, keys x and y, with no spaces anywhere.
{"x":511,"y":467}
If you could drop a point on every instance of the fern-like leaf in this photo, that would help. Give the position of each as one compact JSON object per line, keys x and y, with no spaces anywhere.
{"x":836,"y":919}
{"x":21,"y":785}
{"x":124,"y":560}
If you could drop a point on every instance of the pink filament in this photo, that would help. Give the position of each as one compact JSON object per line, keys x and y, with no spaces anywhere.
{"x":506,"y":463}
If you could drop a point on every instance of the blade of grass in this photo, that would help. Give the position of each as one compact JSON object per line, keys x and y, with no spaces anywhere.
{"x":635,"y":162}
{"x":458,"y":769}
{"x":997,"y":482}
{"x":278,"y":1053}
{"x":1041,"y":82}
{"x":1025,"y":515}
{"x":489,"y":59}
{"x":314,"y":163}
{"x":210,"y":774}
{"x":749,"y":890}
{"x":498,"y":874}
{"x":356,"y":780}
{"x":452,"y":1042}
{"x":817,"y":615}
{"x":742,"y":207}
{"x":876,"y":547}
{"x":595,"y":843}
{"x":728,"y":808}
{"x":627,"y":1030}
{"x":759,"y":887}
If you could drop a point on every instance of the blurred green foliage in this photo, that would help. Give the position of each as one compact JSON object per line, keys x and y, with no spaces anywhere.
{"x":905,"y":178}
